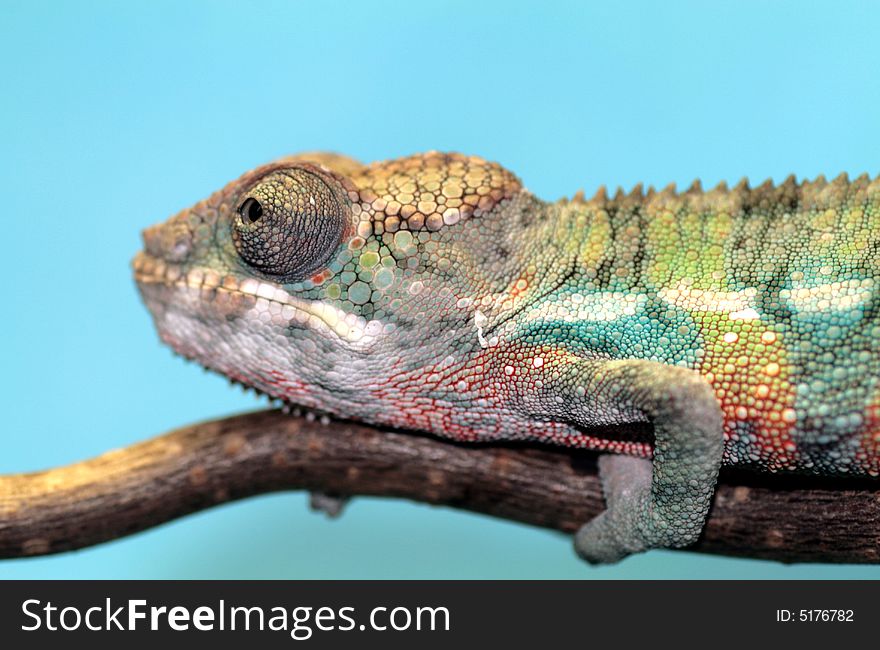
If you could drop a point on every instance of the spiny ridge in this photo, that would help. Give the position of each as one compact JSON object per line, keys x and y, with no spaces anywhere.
{"x":818,"y":191}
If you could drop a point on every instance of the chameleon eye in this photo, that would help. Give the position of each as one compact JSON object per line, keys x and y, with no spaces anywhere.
{"x":251,"y":210}
{"x":289,"y":224}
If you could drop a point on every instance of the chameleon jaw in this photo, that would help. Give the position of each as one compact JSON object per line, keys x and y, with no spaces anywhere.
{"x":267,"y":298}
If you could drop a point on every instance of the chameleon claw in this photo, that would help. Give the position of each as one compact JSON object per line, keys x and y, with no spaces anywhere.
{"x":331,"y":505}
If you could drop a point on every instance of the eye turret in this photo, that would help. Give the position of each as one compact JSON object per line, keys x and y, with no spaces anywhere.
{"x":289,"y":224}
{"x":251,"y":210}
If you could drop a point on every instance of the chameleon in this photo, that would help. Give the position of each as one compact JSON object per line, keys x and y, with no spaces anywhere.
{"x":735,"y":326}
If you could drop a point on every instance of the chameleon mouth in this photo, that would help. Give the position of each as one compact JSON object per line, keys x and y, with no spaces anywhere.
{"x":262,"y":297}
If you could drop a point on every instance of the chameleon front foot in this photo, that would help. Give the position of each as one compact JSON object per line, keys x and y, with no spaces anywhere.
{"x":620,"y":530}
{"x":634,"y":520}
{"x":663,"y":502}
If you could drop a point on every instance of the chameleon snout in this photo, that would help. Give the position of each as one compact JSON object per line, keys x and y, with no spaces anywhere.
{"x":171,"y":242}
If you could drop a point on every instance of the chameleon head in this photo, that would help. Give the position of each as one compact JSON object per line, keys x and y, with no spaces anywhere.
{"x":319,"y":283}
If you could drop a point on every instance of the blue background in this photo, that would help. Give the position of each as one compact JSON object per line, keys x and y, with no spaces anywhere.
{"x":115,"y":115}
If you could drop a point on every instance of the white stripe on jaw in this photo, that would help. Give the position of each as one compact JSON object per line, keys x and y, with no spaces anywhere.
{"x":351,"y":328}
{"x":314,"y":313}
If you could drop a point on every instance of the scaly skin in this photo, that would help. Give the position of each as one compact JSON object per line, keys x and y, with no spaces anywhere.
{"x":434,"y":293}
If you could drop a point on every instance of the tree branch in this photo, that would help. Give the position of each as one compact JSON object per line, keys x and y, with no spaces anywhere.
{"x":145,"y":484}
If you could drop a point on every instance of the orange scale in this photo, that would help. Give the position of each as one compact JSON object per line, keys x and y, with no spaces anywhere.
{"x":730,"y":363}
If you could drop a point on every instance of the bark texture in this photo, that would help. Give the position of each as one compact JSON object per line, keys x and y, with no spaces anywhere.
{"x":196,"y":467}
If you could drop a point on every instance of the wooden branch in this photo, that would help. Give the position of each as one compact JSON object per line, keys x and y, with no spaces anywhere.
{"x":193,"y":468}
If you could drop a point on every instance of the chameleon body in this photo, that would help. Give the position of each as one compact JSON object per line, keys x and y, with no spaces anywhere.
{"x":435,"y":293}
